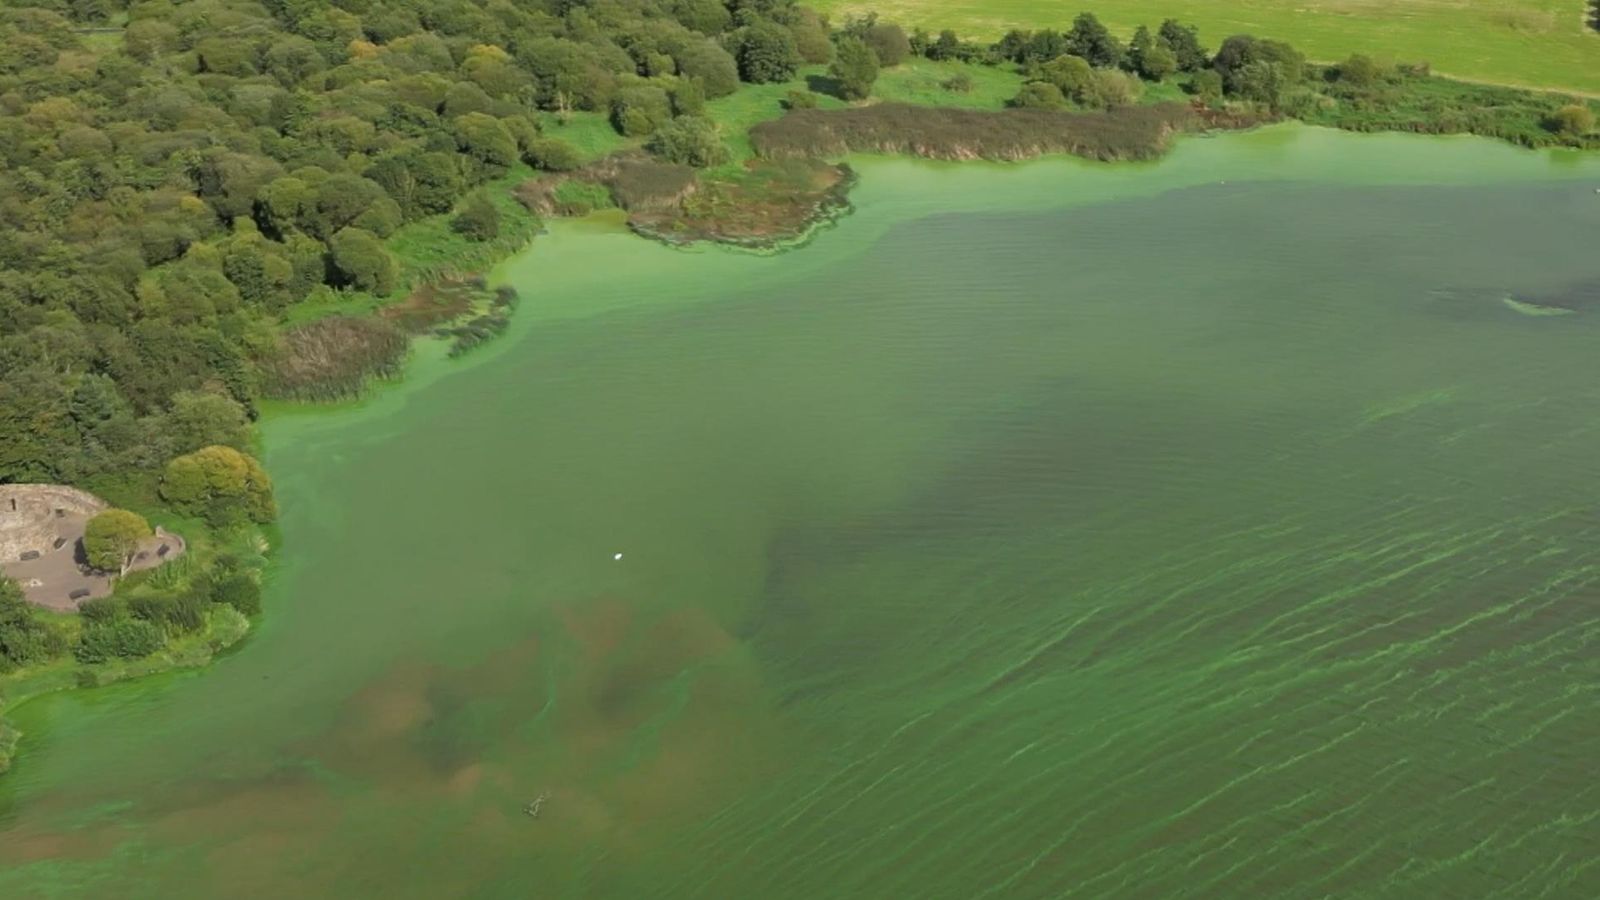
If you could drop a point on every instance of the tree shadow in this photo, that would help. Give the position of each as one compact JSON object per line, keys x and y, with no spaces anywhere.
{"x":823,"y":84}
{"x":1594,"y":14}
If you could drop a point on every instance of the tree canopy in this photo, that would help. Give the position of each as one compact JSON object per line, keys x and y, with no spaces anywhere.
{"x":111,"y":538}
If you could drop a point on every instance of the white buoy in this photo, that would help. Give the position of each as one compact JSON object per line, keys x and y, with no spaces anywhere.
{"x":618,"y":556}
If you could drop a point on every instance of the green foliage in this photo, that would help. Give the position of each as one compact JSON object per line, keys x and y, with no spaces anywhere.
{"x":1183,"y":41}
{"x":361,"y":261}
{"x":959,"y":83}
{"x":1039,"y":95}
{"x":219,"y":484}
{"x":689,"y":140}
{"x":888,"y":42}
{"x":1359,"y":71}
{"x":799,"y":100}
{"x":1259,"y":70}
{"x":854,"y":69}
{"x":24,"y":639}
{"x":111,"y":538}
{"x":1093,"y":41}
{"x":640,"y":109}
{"x":1573,"y":120}
{"x":553,"y":155}
{"x":1071,"y":75}
{"x":120,"y":637}
{"x":765,"y":51}
{"x":239,"y":591}
{"x":478,"y":220}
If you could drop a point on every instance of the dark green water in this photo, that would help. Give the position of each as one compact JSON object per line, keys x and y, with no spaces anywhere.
{"x":1211,"y":528}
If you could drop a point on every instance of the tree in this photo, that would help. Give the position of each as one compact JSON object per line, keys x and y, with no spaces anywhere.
{"x":1043,"y":46}
{"x":946,"y":46}
{"x":219,"y":484}
{"x":1158,"y":64}
{"x":854,"y":69}
{"x":1573,"y":120}
{"x":765,"y":52}
{"x":1093,"y":41}
{"x":112,"y":537}
{"x":24,"y":639}
{"x":1359,"y":71}
{"x":711,"y":65}
{"x":1258,"y":70}
{"x":889,"y":42}
{"x":640,"y":109}
{"x":361,"y":261}
{"x":478,"y":220}
{"x":1072,"y":75}
{"x":1184,"y":42}
{"x":1110,"y":89}
{"x":552,"y":155}
{"x":1206,"y":84}
{"x":1150,"y":57}
{"x":690,"y":141}
{"x":201,"y":418}
{"x":486,"y":140}
{"x":1039,"y":95}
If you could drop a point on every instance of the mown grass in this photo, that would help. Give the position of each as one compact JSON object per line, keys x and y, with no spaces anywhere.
{"x":1530,"y":43}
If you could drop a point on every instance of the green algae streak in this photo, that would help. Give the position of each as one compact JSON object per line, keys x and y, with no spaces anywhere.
{"x":1201,"y":528}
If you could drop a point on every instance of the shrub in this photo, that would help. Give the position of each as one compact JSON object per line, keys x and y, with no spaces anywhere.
{"x":1359,"y":71}
{"x":361,"y":261}
{"x":1110,"y":89}
{"x":478,"y":220}
{"x":690,"y":141}
{"x":855,"y":68}
{"x":1573,"y":120}
{"x":552,"y":155}
{"x":1039,"y":95}
{"x":1206,"y":84}
{"x":765,"y":51}
{"x":118,"y":638}
{"x":959,"y":83}
{"x":888,"y":42}
{"x":239,"y":591}
{"x":799,"y":100}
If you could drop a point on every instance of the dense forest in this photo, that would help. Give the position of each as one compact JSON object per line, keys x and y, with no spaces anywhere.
{"x":179,"y":180}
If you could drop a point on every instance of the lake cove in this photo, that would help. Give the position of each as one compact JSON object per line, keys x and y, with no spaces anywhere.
{"x":1061,"y":529}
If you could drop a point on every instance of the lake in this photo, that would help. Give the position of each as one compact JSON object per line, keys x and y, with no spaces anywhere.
{"x":1220,"y":527}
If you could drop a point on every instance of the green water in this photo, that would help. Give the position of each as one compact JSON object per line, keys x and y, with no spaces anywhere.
{"x":1210,"y":528}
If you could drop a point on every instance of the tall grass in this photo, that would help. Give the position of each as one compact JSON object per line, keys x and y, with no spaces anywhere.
{"x":1129,"y":133}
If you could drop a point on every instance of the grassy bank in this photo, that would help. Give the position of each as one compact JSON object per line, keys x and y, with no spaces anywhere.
{"x":1541,"y":44}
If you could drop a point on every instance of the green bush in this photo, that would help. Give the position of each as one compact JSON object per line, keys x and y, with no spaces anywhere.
{"x":799,"y":100}
{"x":478,"y":220}
{"x":690,"y":141}
{"x":553,"y":155}
{"x":240,"y":592}
{"x":118,"y":638}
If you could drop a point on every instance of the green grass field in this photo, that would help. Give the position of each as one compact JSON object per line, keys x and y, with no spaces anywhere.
{"x":1529,"y":43}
